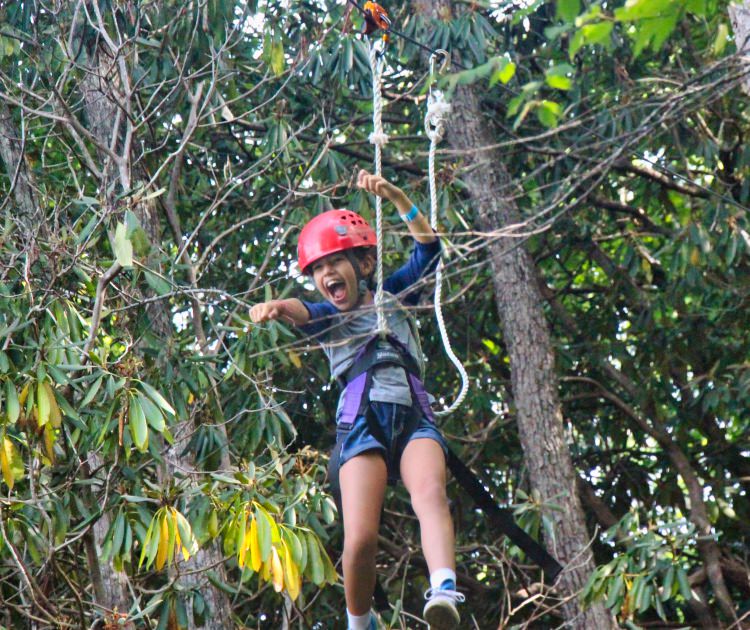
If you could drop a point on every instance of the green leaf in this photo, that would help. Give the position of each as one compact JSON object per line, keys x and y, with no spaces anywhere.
{"x":123,"y":247}
{"x":682,"y":580}
{"x":12,"y":407}
{"x":92,"y":391}
{"x":548,"y":113}
{"x":154,"y":417}
{"x":264,"y":532}
{"x":557,"y":76}
{"x":567,"y":10}
{"x":137,"y":424}
{"x":696,"y":7}
{"x":158,"y":398}
{"x":277,"y":57}
{"x":505,"y":70}
{"x":598,"y":33}
{"x":668,"y":583}
{"x":315,"y":561}
{"x":616,"y":590}
{"x":119,"y":533}
{"x":156,"y":282}
{"x":722,"y":38}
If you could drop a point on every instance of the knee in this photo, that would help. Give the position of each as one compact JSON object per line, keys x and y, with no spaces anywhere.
{"x":360,"y":545}
{"x":429,"y":495}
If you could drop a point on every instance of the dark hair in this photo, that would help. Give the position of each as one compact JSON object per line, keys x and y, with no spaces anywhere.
{"x":360,"y":254}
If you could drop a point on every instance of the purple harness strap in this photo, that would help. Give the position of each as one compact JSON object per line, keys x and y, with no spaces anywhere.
{"x":353,"y":395}
{"x":356,"y":392}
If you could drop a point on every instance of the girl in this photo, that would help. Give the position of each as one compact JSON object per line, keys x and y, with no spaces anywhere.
{"x":389,"y":435}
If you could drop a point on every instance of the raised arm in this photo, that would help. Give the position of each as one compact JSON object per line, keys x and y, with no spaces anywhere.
{"x":418,"y":225}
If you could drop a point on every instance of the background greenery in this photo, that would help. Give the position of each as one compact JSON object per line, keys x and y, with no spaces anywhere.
{"x":170,"y":153}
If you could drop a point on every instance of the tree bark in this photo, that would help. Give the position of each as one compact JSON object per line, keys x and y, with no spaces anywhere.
{"x":739,"y":14}
{"x":22,"y":188}
{"x":527,"y":338}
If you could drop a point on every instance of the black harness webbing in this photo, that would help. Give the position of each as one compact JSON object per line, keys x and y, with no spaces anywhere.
{"x":502,"y":519}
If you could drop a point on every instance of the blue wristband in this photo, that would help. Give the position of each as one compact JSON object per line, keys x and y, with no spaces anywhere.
{"x":411,"y":215}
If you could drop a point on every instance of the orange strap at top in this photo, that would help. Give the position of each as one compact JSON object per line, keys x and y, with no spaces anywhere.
{"x":376,"y":17}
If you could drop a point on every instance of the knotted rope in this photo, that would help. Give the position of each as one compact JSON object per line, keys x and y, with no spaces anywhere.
{"x":378,"y":138}
{"x":434,"y":124}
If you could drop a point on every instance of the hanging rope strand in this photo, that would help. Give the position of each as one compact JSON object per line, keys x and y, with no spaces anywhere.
{"x":434,"y":122}
{"x":378,"y":138}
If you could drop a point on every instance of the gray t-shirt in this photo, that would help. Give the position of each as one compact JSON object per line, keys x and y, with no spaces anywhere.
{"x":342,"y":333}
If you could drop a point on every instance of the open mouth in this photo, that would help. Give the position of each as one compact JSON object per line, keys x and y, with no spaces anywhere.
{"x":337,"y":290}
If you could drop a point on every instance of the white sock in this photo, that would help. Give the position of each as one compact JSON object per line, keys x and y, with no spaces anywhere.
{"x":358,"y":622}
{"x":438,"y":576}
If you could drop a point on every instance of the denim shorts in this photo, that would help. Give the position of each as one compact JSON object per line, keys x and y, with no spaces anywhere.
{"x":393,"y":420}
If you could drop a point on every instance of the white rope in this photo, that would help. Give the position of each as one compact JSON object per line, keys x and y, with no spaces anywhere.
{"x":434,"y":123}
{"x":378,"y":138}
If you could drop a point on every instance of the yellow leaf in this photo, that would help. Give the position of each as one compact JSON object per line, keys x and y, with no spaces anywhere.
{"x":294,"y":357}
{"x":5,"y":464}
{"x":42,"y":405}
{"x":24,"y":393}
{"x":266,"y":571}
{"x":177,"y":540}
{"x":695,"y":256}
{"x":189,"y":546}
{"x":292,"y":574}
{"x":49,"y":442}
{"x":161,"y":554}
{"x":277,"y":570}
{"x":10,"y":462}
{"x":242,"y":539}
{"x":55,"y":417}
{"x":255,"y":559}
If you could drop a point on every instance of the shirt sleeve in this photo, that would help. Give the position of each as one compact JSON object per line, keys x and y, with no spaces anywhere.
{"x":321,"y":317}
{"x":423,"y":260}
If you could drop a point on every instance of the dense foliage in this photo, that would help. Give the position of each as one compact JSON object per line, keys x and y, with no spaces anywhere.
{"x":172,"y":150}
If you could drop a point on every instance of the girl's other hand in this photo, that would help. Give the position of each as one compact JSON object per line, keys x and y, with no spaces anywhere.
{"x":265,"y":312}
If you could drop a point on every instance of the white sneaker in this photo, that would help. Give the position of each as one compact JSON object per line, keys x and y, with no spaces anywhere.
{"x":440,"y":610}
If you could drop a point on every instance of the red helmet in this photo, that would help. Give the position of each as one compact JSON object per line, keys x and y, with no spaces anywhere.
{"x":331,"y":232}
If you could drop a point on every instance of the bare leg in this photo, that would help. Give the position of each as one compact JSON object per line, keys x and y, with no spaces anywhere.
{"x":423,"y":474}
{"x":363,"y":480}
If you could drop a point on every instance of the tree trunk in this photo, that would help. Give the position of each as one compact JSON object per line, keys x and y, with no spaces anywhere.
{"x":527,"y":337}
{"x":22,"y":191}
{"x":104,"y":86}
{"x":739,"y":14}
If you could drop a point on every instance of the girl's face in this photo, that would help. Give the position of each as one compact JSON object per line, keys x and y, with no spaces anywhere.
{"x":336,"y":280}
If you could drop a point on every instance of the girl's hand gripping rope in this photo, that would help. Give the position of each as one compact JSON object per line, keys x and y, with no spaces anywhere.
{"x":418,"y":225}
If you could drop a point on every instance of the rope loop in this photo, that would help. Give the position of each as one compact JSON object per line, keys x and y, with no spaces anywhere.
{"x":438,"y":110}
